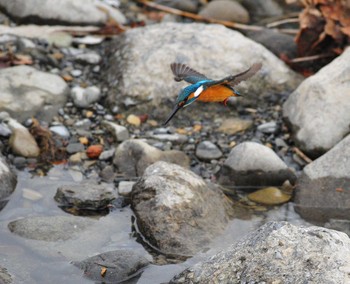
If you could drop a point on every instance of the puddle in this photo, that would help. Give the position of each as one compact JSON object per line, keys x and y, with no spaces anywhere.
{"x":33,"y":261}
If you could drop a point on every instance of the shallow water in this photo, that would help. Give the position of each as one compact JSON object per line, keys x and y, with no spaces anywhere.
{"x":32,"y":261}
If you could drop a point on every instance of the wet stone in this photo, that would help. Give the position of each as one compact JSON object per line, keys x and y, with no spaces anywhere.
{"x":50,"y":228}
{"x":106,"y":155}
{"x":85,"y":196}
{"x":207,"y":151}
{"x":269,"y":196}
{"x":60,"y":130}
{"x":176,"y":211}
{"x":90,"y":58}
{"x":119,"y":265}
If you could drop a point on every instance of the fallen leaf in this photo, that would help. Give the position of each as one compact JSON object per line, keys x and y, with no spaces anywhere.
{"x":103,"y":271}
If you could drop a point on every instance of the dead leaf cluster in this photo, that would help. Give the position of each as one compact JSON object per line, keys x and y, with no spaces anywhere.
{"x":324,"y":27}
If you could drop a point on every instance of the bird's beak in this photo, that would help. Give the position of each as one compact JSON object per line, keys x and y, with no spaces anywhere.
{"x":174,"y":111}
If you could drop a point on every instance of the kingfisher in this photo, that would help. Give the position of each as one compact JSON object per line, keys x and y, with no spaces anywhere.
{"x":204,"y":89}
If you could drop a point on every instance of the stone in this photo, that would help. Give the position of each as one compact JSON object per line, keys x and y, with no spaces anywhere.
{"x":251,"y":164}
{"x":176,"y":211}
{"x":8,"y":179}
{"x":125,"y":188}
{"x":263,"y":8}
{"x":133,"y":120}
{"x":84,"y":98}
{"x":233,"y":125}
{"x":119,"y":132}
{"x":106,"y":155}
{"x":279,"y":43}
{"x":268,"y":127}
{"x":27,"y":92}
{"x":85,"y":196}
{"x":228,"y":52}
{"x":133,"y":156}
{"x":322,"y":191}
{"x":173,"y":138}
{"x":225,"y":10}
{"x":207,"y":151}
{"x":89,"y":58}
{"x":60,"y":130}
{"x":21,"y":142}
{"x":269,"y":196}
{"x":339,"y":225}
{"x":50,"y":228}
{"x":317,"y":103}
{"x":5,"y":277}
{"x":121,"y":265}
{"x":66,"y":12}
{"x":184,"y":5}
{"x":73,"y":148}
{"x":316,"y":254}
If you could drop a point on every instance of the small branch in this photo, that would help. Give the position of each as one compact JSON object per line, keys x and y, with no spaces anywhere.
{"x":282,"y":22}
{"x":310,"y":58}
{"x":302,"y":155}
{"x":198,"y":17}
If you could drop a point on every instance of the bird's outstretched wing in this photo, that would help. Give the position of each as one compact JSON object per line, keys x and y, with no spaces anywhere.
{"x":184,"y":72}
{"x":234,"y":80}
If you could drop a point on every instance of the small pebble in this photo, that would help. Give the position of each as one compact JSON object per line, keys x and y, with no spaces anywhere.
{"x":125,"y":188}
{"x":94,"y":151}
{"x":206,"y":150}
{"x":133,"y":120}
{"x":31,"y":194}
{"x":268,"y":127}
{"x":60,"y":130}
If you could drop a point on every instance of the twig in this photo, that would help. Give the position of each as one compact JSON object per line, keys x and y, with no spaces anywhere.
{"x":282,"y":22}
{"x":198,"y":17}
{"x":310,"y":58}
{"x":302,"y":155}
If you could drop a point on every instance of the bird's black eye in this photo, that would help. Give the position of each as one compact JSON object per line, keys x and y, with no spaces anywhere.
{"x":181,"y":104}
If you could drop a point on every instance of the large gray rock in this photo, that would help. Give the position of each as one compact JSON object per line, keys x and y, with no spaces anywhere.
{"x":251,"y":164}
{"x":140,"y":66}
{"x":8,"y":179}
{"x":121,"y":265}
{"x":133,"y":156}
{"x":72,"y":12}
{"x":27,"y":92}
{"x":176,"y":211}
{"x":278,"y":252}
{"x":318,"y":111}
{"x":50,"y":228}
{"x":322,"y":192}
{"x":5,"y":277}
{"x":85,"y":196}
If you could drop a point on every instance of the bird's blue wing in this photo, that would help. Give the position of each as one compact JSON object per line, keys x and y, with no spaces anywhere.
{"x":184,"y":72}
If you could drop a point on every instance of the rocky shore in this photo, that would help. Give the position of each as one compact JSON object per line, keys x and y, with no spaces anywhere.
{"x":93,"y":187}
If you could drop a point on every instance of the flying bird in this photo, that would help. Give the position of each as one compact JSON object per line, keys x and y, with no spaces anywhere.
{"x":205,"y":89}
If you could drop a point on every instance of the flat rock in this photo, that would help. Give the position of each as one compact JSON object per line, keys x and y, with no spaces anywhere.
{"x":253,"y":164}
{"x":85,"y":196}
{"x":8,"y":179}
{"x":27,"y":92}
{"x":206,"y":150}
{"x":278,"y":252}
{"x":71,"y":12}
{"x":225,"y":51}
{"x":50,"y":228}
{"x":176,"y":211}
{"x":322,"y":192}
{"x":317,"y":103}
{"x":120,"y":265}
{"x":226,"y":10}
{"x":133,"y":156}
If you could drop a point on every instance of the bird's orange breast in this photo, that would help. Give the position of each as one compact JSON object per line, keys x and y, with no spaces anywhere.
{"x":216,"y":93}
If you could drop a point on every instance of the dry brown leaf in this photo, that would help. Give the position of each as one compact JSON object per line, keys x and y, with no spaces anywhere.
{"x":103,"y":271}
